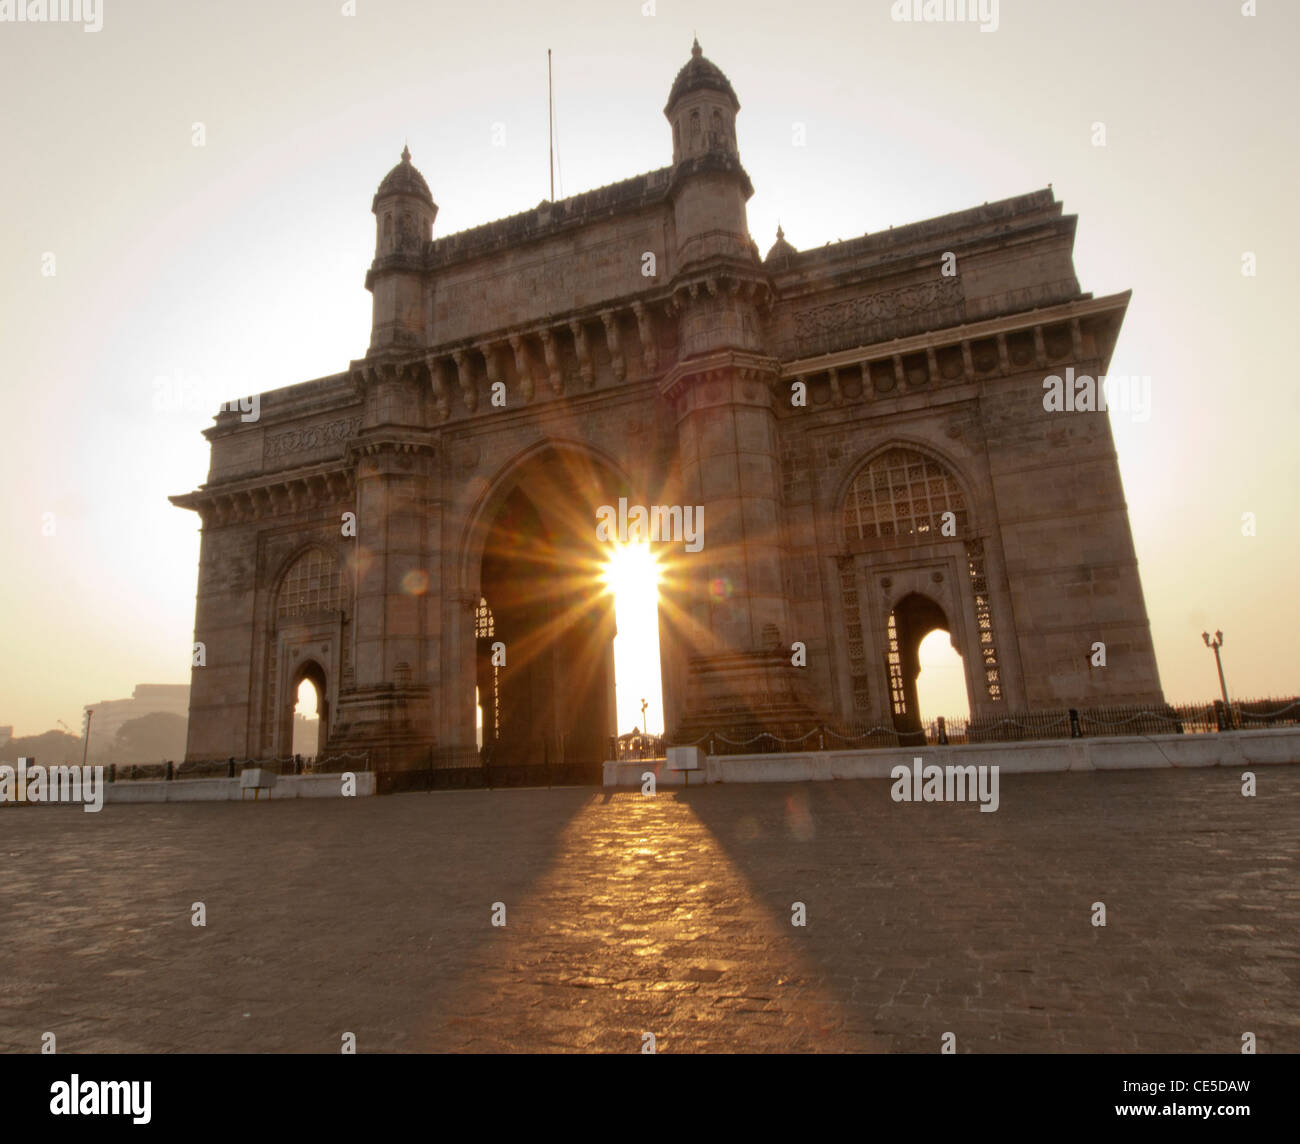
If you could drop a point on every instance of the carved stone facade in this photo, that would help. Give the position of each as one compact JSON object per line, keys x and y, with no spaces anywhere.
{"x":862,"y":425}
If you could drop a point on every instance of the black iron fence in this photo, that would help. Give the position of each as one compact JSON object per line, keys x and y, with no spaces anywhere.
{"x":1065,"y":723}
{"x":471,"y":769}
{"x":634,"y":748}
{"x":231,"y":767}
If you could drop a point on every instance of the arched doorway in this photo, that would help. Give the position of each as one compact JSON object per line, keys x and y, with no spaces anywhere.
{"x":311,"y":673}
{"x":912,"y":620}
{"x":306,"y":721}
{"x":544,"y":628}
{"x":303,"y":643}
{"x":942,"y":689}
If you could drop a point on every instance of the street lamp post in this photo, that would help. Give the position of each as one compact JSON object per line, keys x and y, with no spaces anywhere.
{"x":1215,"y":644}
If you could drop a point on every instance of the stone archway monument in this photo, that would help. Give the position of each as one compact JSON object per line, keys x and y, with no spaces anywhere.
{"x":848,"y":424}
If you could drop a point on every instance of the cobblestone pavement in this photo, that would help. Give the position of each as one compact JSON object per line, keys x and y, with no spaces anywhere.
{"x":670,"y":915}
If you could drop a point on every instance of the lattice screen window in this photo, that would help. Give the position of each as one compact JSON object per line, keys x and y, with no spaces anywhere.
{"x":313,"y":584}
{"x":984,"y":618}
{"x":902,"y":495}
{"x":484,"y":628}
{"x":894,"y":661}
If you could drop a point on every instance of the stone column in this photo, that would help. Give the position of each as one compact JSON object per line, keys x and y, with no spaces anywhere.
{"x":458,"y":678}
{"x":389,"y":709}
{"x":740,"y":674}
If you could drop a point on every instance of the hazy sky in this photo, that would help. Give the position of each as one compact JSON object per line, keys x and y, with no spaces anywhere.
{"x":238,"y":266}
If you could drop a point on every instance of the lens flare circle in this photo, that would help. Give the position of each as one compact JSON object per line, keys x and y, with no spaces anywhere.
{"x":415,"y":582}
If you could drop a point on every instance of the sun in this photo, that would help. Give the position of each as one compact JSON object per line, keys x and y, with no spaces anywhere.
{"x":632,"y":575}
{"x":631,"y":571}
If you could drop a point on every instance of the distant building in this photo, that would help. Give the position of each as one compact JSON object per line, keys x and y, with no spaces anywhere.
{"x":6,"y":733}
{"x":146,"y":699}
{"x":306,"y":735}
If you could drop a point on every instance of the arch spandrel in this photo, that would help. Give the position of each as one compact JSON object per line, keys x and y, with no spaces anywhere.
{"x":481,"y":517}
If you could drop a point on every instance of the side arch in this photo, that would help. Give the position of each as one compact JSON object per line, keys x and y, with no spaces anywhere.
{"x":311,"y":669}
{"x":302,"y":616}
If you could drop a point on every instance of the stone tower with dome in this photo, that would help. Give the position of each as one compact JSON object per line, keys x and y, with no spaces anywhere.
{"x":861,"y":429}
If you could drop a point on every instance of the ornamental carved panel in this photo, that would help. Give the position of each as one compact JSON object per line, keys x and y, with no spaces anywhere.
{"x":310,"y":438}
{"x":875,"y":317}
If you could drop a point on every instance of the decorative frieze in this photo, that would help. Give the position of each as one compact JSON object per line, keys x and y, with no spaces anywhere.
{"x":310,"y":437}
{"x":868,"y":318}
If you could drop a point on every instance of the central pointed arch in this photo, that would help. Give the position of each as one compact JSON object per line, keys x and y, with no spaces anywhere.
{"x":531,"y":561}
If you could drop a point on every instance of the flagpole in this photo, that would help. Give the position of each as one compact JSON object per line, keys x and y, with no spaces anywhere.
{"x":550,"y":119}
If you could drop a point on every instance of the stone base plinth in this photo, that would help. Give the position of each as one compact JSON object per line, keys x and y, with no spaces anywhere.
{"x":743,"y":695}
{"x":393,"y":722}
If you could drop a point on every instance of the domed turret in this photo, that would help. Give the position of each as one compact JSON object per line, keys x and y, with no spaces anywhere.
{"x":702,"y":108}
{"x":781,"y":251}
{"x":405,"y":179}
{"x":404,"y":210}
{"x":699,"y":74}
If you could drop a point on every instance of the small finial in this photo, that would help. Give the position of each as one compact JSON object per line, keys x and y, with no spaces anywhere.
{"x":406,"y":154}
{"x":780,"y":234}
{"x":696,"y":50}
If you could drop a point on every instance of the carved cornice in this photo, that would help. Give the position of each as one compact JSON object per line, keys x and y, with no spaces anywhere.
{"x":961,"y":336}
{"x":372,"y":371}
{"x":750,"y":283}
{"x":729,"y":364}
{"x":268,"y":497}
{"x":394,"y":446}
{"x":711,"y":162}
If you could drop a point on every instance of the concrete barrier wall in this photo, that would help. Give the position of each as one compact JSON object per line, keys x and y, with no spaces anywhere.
{"x":1135,"y":752}
{"x":223,"y":790}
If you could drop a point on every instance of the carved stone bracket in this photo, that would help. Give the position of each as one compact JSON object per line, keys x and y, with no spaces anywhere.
{"x":523,"y":366}
{"x":615,"y":344}
{"x":579,"y":332}
{"x":645,"y":327}
{"x":552,"y":355}
{"x":967,"y":361}
{"x":488,"y":352}
{"x":441,"y":400}
{"x":466,"y":382}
